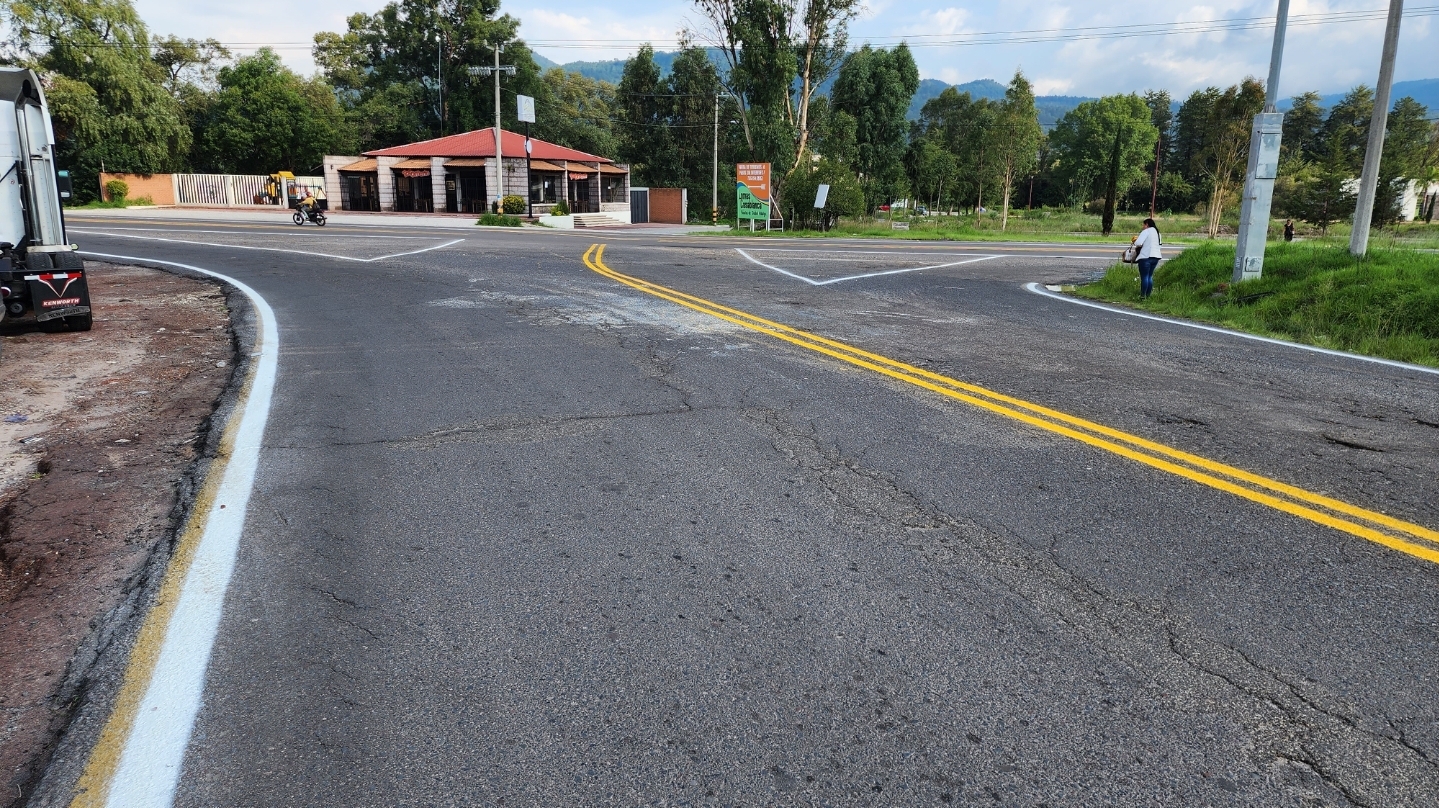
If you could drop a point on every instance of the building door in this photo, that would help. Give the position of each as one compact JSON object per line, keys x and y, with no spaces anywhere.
{"x":580,"y":196}
{"x":358,"y":192}
{"x":472,"y":192}
{"x":639,"y":205}
{"x":452,"y":193}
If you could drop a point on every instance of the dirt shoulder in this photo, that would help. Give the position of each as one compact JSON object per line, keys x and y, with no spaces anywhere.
{"x":99,"y":437}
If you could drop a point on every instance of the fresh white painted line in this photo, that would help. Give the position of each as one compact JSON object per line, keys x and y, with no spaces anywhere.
{"x":276,"y":249}
{"x":777,"y":269}
{"x":911,"y":269}
{"x":252,"y":232}
{"x":813,"y":282}
{"x":1040,"y":290}
{"x":150,"y":761}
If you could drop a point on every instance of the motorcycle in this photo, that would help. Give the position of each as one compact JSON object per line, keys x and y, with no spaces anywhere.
{"x":313,"y":214}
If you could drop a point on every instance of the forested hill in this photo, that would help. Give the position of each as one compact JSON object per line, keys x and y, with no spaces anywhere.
{"x":1051,"y":107}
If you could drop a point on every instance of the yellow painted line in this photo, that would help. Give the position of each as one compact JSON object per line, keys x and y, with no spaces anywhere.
{"x":93,"y":788}
{"x":1256,"y":488}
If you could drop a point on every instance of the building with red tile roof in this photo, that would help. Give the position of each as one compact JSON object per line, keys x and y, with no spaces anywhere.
{"x":459,"y":174}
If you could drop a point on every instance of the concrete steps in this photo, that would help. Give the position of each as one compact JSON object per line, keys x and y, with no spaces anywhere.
{"x":586,"y":220}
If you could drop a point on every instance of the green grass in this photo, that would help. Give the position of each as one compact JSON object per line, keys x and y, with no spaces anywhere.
{"x":1386,"y":304}
{"x":498,"y":220}
{"x":97,"y":204}
{"x":1035,"y":225}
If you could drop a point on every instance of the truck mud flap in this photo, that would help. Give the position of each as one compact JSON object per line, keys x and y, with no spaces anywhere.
{"x":58,"y":294}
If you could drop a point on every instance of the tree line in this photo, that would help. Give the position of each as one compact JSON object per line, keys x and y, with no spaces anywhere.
{"x":126,"y":100}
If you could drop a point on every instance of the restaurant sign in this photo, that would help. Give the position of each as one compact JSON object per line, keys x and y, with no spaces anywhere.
{"x":753,"y":190}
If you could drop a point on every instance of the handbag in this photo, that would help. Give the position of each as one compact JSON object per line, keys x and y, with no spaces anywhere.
{"x":1131,"y":254}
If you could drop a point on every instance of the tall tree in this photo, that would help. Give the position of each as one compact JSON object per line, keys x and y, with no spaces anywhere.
{"x":1018,"y":136}
{"x":579,"y":113}
{"x":778,"y":53}
{"x":643,"y":102}
{"x":1406,"y":147}
{"x":875,"y":87}
{"x":1348,"y":120}
{"x":107,"y":94}
{"x":1189,"y":137}
{"x":1084,"y":143}
{"x":1226,"y":146}
{"x":1161,"y":114}
{"x":385,"y":68}
{"x":266,"y":118}
{"x":1301,"y":127}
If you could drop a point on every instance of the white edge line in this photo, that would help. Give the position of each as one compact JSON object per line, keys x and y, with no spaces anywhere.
{"x":1040,"y":290}
{"x":776,"y":269}
{"x":149,"y":767}
{"x":270,"y":249}
{"x":911,"y":269}
{"x":278,"y":232}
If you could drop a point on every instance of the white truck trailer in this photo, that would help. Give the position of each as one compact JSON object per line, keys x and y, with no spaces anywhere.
{"x":41,"y":274}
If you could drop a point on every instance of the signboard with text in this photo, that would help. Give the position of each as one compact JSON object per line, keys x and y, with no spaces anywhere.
{"x":525,"y":108}
{"x":753,"y":190}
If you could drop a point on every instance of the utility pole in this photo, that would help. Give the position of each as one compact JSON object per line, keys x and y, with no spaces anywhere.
{"x":1153,"y":184}
{"x":440,"y":78}
{"x":499,"y":154}
{"x":714,"y":194}
{"x":1264,"y":142}
{"x":1369,"y":180}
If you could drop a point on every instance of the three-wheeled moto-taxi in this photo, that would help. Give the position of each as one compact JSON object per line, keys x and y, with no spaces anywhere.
{"x":41,"y":274}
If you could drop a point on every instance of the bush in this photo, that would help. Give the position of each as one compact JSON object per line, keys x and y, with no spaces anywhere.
{"x":560,"y":209}
{"x":498,"y":220}
{"x":514,"y":204}
{"x":117,"y":190}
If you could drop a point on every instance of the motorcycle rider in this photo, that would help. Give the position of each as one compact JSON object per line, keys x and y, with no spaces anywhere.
{"x":308,"y":205}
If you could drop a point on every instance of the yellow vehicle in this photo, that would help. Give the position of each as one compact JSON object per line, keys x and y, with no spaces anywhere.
{"x":281,"y":190}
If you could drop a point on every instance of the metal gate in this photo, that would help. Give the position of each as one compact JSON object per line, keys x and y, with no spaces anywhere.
{"x":639,"y":205}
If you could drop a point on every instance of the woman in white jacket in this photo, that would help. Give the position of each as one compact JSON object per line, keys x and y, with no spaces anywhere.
{"x":1148,"y":246}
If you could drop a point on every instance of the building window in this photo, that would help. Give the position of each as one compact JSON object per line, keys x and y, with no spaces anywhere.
{"x":613,"y":189}
{"x":542,"y":187}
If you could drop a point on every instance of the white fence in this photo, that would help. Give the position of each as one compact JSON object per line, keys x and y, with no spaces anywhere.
{"x":228,"y":190}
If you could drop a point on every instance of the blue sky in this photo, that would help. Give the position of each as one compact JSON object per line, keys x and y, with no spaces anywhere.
{"x":1327,"y":58}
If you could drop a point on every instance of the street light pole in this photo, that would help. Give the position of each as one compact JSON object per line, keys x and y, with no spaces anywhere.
{"x":440,"y":79}
{"x":1369,"y":180}
{"x":1264,"y":142}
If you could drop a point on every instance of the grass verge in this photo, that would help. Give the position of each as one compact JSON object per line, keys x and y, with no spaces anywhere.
{"x":118,"y":204}
{"x":1385,"y":305}
{"x":498,"y":220}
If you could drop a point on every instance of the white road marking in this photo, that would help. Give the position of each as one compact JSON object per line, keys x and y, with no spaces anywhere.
{"x":149,"y":766}
{"x":813,"y":282}
{"x":1040,"y":290}
{"x":254,"y":232}
{"x":275,"y":249}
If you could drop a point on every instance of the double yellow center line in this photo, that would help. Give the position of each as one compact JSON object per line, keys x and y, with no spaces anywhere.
{"x":1416,"y":540}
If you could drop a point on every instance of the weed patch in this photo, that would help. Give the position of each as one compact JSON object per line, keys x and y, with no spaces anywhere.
{"x":1386,"y":304}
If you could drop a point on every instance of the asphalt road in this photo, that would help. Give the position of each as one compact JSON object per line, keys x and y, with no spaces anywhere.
{"x":524,"y":535}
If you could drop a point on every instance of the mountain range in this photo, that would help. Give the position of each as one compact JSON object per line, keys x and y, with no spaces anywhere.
{"x":1051,"y":107}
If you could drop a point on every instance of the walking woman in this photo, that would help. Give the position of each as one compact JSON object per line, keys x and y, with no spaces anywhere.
{"x":1148,"y":245}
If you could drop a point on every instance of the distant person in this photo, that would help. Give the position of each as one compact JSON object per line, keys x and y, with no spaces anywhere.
{"x":1288,"y":229}
{"x":1148,"y":244}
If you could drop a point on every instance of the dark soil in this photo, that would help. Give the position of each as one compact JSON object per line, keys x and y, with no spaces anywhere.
{"x":100,"y":430}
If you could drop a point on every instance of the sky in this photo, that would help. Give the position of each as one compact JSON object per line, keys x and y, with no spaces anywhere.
{"x":1327,"y":58}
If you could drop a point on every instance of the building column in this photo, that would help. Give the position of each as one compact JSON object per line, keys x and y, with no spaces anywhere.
{"x":437,"y":183}
{"x":385,"y":182}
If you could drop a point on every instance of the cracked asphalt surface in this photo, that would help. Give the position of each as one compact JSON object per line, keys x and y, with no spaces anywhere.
{"x":524,"y":536}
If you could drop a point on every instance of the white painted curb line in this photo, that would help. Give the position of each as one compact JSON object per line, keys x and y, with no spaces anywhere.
{"x":1040,"y":290}
{"x":154,"y":751}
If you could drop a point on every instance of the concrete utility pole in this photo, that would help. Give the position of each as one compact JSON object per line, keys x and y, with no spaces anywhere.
{"x":1264,"y":142}
{"x":499,"y":154}
{"x":440,"y":79}
{"x":714,"y":195}
{"x":1369,"y":180}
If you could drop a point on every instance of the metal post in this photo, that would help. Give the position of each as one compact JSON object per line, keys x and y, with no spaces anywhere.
{"x":440,"y":79}
{"x":1264,"y":142}
{"x":1369,"y":180}
{"x":499,"y":154}
{"x":529,"y":194}
{"x":714,"y":195}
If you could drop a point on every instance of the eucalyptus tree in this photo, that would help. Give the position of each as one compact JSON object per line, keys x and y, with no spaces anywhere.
{"x":1017,"y":137}
{"x":874,"y":87}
